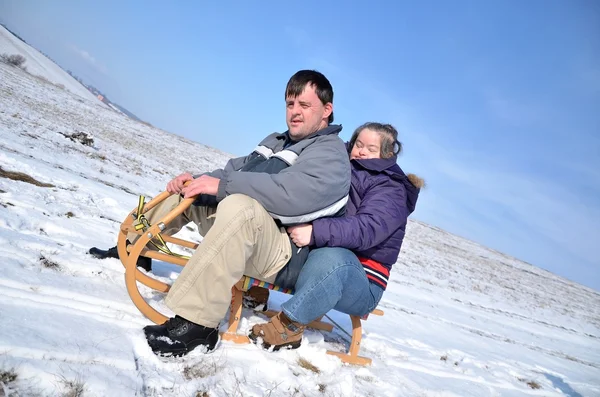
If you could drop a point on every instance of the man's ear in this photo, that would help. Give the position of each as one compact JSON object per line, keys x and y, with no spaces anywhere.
{"x":328,"y":110}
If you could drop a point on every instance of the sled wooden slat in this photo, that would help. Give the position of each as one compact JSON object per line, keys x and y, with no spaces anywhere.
{"x":163,"y":257}
{"x":352,"y":356}
{"x":377,"y":312}
{"x":129,"y":255}
{"x":235,"y":315}
{"x":168,"y":239}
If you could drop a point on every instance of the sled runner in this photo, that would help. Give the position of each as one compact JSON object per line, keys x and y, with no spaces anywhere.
{"x":151,"y":234}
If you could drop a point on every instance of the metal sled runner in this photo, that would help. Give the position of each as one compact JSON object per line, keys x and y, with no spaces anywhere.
{"x":151,"y":235}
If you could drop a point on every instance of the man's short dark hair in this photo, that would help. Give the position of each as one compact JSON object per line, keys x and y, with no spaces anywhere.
{"x":322,"y":86}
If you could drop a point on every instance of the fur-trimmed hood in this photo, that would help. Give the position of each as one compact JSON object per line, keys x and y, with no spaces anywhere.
{"x":416,"y":180}
{"x":412,"y":183}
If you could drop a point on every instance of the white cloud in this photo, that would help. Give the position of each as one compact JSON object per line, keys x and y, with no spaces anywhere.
{"x":86,"y":56}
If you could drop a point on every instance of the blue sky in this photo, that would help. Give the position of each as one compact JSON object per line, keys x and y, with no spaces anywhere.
{"x":497,"y":103}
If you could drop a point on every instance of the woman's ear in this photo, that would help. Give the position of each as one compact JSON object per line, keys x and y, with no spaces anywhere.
{"x":397,"y":147}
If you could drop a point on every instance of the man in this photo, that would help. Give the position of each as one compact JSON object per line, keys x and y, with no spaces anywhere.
{"x":290,"y":178}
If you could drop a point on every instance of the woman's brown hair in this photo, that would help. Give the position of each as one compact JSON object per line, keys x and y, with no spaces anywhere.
{"x":390,"y":145}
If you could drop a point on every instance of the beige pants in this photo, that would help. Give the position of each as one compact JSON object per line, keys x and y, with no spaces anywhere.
{"x":242,"y":239}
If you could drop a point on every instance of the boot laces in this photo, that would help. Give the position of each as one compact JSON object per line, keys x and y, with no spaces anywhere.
{"x":175,"y":322}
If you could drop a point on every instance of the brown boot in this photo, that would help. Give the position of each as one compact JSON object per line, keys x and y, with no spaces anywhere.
{"x":279,"y":332}
{"x":256,"y":298}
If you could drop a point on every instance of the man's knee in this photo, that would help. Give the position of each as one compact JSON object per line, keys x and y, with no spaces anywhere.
{"x":236,"y":203}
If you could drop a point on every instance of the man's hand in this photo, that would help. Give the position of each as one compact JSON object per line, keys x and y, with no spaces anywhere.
{"x":202,"y":185}
{"x":300,"y":234}
{"x":176,"y":185}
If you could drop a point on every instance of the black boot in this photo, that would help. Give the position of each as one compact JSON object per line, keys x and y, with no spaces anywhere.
{"x":143,"y":262}
{"x":178,"y":337}
{"x":154,"y":331}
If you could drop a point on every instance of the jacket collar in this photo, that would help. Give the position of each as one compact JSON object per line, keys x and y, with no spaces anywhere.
{"x":378,"y":165}
{"x":330,"y":129}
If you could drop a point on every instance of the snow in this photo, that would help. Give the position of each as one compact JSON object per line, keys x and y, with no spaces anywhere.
{"x":460,"y":319}
{"x":113,"y":107}
{"x":38,"y":64}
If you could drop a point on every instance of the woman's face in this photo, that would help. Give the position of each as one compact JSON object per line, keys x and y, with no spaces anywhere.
{"x":367,"y":145}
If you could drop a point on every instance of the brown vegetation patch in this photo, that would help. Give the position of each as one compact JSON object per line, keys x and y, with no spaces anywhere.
{"x":19,"y":176}
{"x":8,"y":376}
{"x":304,"y":363}
{"x":49,"y":264}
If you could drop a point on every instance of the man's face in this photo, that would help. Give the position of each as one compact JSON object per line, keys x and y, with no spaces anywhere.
{"x":305,"y":114}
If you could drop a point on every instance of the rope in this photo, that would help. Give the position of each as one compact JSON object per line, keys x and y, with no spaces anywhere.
{"x":343,"y":330}
{"x":143,"y":224}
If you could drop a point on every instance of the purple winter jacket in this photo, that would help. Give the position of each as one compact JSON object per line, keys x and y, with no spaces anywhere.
{"x":381,"y":199}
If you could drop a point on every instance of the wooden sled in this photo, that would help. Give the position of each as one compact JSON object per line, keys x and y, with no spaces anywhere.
{"x":129,"y":255}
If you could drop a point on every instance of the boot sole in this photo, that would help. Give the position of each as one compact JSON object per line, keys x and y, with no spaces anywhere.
{"x":267,"y":346}
{"x":185,"y":351}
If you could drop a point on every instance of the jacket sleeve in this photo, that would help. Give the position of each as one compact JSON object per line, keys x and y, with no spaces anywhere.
{"x":319,"y":178}
{"x":381,"y":212}
{"x":232,"y":165}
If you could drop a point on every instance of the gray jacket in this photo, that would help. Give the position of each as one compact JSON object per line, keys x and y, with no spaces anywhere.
{"x":296,"y":182}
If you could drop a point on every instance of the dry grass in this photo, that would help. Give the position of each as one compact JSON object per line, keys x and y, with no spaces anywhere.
{"x":322,"y":387}
{"x":98,"y":156}
{"x":534,"y":385}
{"x":45,"y":80}
{"x":19,"y":176}
{"x":203,"y":369}
{"x":17,"y":60}
{"x":69,"y":214}
{"x":366,"y":378}
{"x":74,"y":388}
{"x":80,"y":137}
{"x":304,"y":363}
{"x":531,"y":383}
{"x":8,"y":376}
{"x":47,"y":263}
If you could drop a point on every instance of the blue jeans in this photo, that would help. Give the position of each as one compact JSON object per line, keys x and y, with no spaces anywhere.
{"x":332,"y":278}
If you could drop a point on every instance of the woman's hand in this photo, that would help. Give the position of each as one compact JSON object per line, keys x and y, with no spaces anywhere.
{"x":300,"y":234}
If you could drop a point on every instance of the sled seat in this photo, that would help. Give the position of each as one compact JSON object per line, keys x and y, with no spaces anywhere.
{"x":129,"y":254}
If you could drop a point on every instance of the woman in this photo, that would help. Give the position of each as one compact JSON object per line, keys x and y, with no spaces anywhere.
{"x":349,"y":269}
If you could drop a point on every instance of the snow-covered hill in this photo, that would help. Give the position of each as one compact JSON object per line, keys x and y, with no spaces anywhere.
{"x":460,"y":319}
{"x":39,"y":65}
